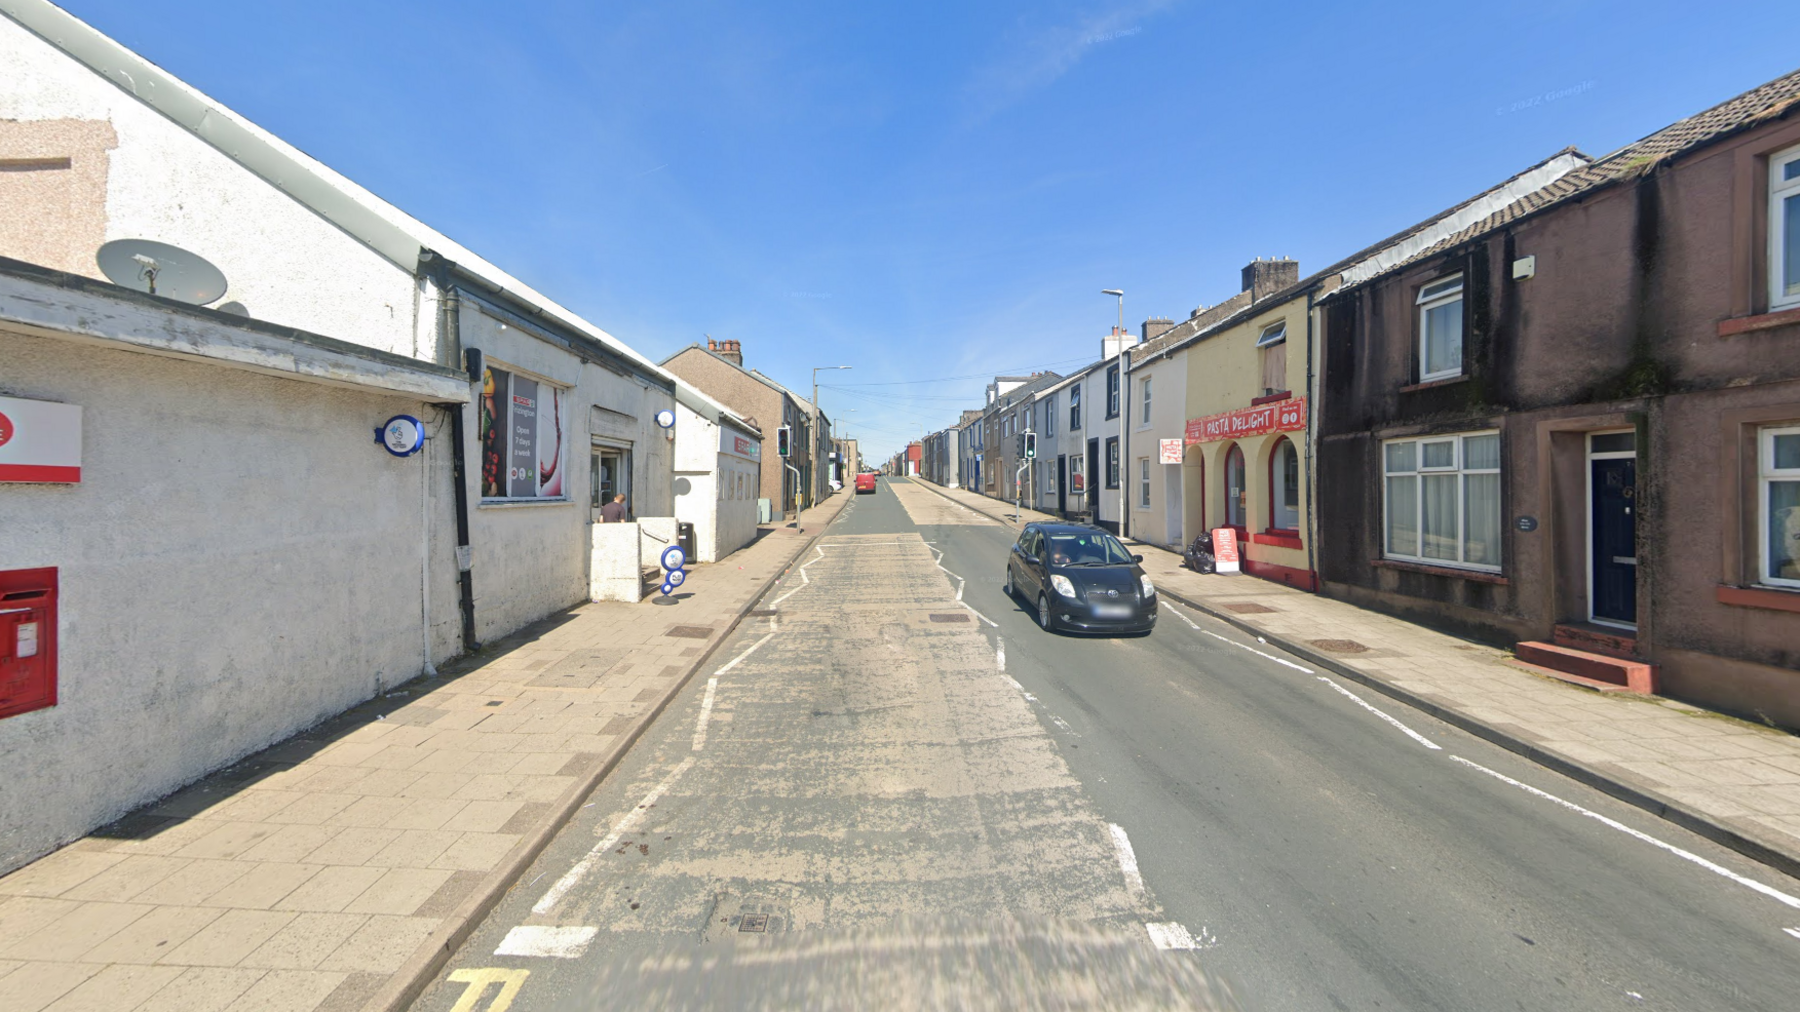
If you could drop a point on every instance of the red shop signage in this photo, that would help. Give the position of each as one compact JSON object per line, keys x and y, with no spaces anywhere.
{"x":1281,"y":416}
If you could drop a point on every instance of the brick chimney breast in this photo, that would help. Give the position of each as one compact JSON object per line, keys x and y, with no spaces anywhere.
{"x":733,"y":352}
{"x":1155,"y":327}
{"x":1263,"y":278}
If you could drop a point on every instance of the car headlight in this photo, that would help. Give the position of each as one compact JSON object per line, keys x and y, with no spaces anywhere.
{"x":1062,"y":585}
{"x":1149,"y":588}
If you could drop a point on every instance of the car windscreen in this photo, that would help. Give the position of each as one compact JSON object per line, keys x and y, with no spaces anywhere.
{"x":1086,"y":550}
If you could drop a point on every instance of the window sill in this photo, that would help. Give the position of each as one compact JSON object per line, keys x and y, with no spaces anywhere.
{"x":514,"y":504}
{"x":1279,"y":395}
{"x":1770,"y":598}
{"x":1279,"y":539}
{"x":1455,"y":572}
{"x":1762,"y":321}
{"x":1433,"y":384}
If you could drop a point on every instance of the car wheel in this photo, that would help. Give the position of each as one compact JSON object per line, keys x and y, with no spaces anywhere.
{"x":1044,"y":618}
{"x":1010,"y":589}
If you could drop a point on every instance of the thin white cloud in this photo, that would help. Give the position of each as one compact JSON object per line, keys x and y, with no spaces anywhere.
{"x":1035,"y":57}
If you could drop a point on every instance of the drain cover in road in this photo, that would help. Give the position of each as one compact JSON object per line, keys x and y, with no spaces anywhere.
{"x":737,"y":915}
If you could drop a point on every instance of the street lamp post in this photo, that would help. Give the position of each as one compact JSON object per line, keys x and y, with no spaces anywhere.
{"x":815,"y":426}
{"x":1124,"y":403}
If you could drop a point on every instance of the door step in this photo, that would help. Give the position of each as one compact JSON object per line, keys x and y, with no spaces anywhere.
{"x":1581,"y":667}
{"x":1596,"y":639}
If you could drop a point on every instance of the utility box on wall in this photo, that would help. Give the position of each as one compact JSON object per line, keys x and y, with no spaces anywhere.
{"x":27,"y":640}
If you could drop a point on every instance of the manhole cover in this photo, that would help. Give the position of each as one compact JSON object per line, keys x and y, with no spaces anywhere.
{"x":692,"y":632}
{"x":1248,"y":608}
{"x":954,"y":616}
{"x":735,"y":915}
{"x":764,"y":612}
{"x":1340,"y":646}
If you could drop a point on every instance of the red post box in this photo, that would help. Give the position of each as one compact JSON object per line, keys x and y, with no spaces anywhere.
{"x":27,"y":640}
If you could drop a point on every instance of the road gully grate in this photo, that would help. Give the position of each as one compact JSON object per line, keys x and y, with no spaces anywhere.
{"x":692,"y":632}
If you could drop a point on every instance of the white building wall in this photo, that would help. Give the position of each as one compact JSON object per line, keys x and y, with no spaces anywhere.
{"x":1161,"y":522}
{"x":239,"y":562}
{"x":283,"y":262}
{"x":532,"y":558}
{"x":716,"y":487}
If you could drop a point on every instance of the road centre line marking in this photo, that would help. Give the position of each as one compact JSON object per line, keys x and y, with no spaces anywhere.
{"x":573,"y":877}
{"x":1717,"y":869}
{"x":1134,"y":880}
{"x":1792,"y":931}
{"x":546,"y":942}
{"x":1359,"y":701}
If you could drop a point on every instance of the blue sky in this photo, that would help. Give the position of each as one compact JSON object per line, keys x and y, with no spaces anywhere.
{"x":935,"y":192}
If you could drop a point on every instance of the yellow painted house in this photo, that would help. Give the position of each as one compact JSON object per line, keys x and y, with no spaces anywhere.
{"x":1248,"y":396}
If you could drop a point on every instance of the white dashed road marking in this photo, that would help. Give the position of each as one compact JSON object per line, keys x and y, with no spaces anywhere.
{"x":1134,"y":880}
{"x":547,"y":942}
{"x":1172,"y":935}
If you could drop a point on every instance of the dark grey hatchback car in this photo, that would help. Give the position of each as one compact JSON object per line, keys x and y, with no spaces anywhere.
{"x":1080,"y":579}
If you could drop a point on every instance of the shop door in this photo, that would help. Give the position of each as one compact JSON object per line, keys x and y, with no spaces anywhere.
{"x":1062,"y":485}
{"x":1612,"y":535}
{"x":609,"y":474}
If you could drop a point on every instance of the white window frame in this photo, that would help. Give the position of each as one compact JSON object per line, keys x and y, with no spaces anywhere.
{"x":1418,"y":474}
{"x":1767,"y":474}
{"x":550,"y":395}
{"x":1273,"y":334}
{"x":1143,"y":483}
{"x":1436,"y":294}
{"x":1277,"y":492}
{"x":1144,"y":399}
{"x":1780,"y":191}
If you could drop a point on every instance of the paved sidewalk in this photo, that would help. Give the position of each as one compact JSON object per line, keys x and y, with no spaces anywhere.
{"x":1730,"y":780}
{"x":338,"y":870}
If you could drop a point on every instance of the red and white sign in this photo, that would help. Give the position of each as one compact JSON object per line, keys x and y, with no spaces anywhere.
{"x":1225,"y":550}
{"x":1281,"y":416}
{"x":1170,"y":450}
{"x":39,"y":441}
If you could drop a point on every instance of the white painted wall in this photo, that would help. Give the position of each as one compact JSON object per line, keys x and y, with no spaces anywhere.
{"x":1168,"y":408}
{"x":239,"y":562}
{"x":716,"y":488}
{"x":532,"y":559}
{"x":283,"y":262}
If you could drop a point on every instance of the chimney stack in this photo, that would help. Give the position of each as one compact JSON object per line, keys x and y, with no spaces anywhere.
{"x":1155,"y":327}
{"x":731,"y":351}
{"x":1263,"y":278}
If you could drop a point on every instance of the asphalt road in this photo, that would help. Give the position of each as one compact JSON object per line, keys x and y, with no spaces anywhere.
{"x":925,"y":801}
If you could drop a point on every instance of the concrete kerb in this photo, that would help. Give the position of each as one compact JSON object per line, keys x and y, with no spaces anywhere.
{"x":405,"y":985}
{"x":1744,"y":841}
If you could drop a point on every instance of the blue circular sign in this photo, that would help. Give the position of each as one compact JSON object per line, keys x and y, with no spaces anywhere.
{"x":673,"y":557}
{"x":401,"y":435}
{"x":675,"y":578}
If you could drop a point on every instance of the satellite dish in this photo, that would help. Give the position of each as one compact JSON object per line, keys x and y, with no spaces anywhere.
{"x":161,"y":269}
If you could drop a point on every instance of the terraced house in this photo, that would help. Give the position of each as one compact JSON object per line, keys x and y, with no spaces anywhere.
{"x":1575,"y":423}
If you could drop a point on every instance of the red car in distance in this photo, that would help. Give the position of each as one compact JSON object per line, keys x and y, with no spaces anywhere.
{"x":865,"y":482}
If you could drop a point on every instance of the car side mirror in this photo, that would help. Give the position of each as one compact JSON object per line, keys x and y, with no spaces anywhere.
{"x":1137,"y":558}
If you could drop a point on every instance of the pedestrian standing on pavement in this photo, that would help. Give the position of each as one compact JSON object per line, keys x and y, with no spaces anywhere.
{"x":614,"y":512}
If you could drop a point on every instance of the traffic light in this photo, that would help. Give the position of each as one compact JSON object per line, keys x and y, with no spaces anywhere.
{"x":1030,"y":445}
{"x":781,"y":441}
